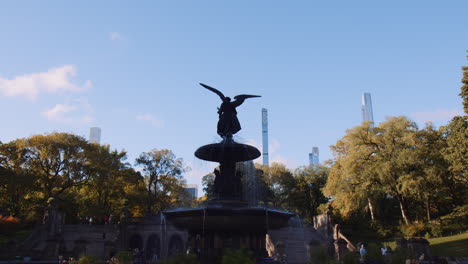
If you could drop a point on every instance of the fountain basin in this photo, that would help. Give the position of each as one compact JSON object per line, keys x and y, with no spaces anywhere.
{"x":227,"y":151}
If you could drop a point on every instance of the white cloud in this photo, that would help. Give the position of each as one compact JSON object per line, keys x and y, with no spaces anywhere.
{"x":55,"y":80}
{"x":150,"y":119}
{"x":76,"y":113}
{"x":115,"y":36}
{"x":437,"y":115}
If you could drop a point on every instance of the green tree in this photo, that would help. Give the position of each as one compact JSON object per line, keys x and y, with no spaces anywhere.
{"x":464,"y":89}
{"x":163,"y":179}
{"x":307,"y":195}
{"x":374,"y":160}
{"x":278,"y":180}
{"x":57,"y":160}
{"x":15,"y":180}
{"x":110,"y":178}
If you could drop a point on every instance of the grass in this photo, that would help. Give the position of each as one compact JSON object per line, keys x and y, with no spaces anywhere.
{"x":456,"y":246}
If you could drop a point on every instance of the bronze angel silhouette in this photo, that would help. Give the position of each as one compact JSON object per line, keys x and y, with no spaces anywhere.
{"x":228,"y":123}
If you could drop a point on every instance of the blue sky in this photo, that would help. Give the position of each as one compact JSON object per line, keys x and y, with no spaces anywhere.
{"x":133,"y":67}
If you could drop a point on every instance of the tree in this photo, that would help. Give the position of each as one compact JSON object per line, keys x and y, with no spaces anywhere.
{"x":107,"y":190}
{"x":15,"y":181}
{"x":278,"y":180}
{"x":375,"y":160}
{"x":464,"y":89}
{"x":163,"y":179}
{"x":58,"y":161}
{"x":307,"y":195}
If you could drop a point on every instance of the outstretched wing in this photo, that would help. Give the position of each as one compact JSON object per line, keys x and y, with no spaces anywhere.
{"x":241,"y":97}
{"x":220,"y":94}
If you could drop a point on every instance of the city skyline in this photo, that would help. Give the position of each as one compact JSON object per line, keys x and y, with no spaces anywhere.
{"x":133,"y":71}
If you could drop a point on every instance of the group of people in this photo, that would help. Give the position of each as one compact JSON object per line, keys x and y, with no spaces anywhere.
{"x":89,"y":220}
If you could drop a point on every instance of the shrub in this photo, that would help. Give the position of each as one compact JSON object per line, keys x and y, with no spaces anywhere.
{"x":382,"y":231}
{"x":320,"y":256}
{"x":181,"y":259}
{"x":374,"y":252}
{"x":124,"y":257}
{"x":415,"y":229}
{"x":399,"y":256}
{"x":88,"y":260}
{"x":9,"y":225}
{"x":240,"y":256}
{"x":350,"y":258}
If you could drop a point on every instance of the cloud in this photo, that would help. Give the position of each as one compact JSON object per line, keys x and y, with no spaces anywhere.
{"x":437,"y":115}
{"x":150,"y":119}
{"x":115,"y":36}
{"x":55,"y":80}
{"x":76,"y":113}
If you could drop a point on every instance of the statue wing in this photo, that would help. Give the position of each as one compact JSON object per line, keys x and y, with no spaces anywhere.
{"x":220,"y":94}
{"x":241,"y":97}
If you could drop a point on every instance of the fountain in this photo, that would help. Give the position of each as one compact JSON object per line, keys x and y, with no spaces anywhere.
{"x":227,"y":222}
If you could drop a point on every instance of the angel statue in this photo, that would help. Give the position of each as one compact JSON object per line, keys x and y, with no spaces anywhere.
{"x":228,"y":123}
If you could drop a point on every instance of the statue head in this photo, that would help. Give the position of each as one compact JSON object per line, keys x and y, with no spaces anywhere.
{"x":227,"y":99}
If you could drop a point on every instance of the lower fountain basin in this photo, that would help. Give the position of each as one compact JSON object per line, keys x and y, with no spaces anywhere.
{"x":228,"y":218}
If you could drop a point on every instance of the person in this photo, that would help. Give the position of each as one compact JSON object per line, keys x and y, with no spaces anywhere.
{"x":362,"y":252}
{"x":384,"y":251}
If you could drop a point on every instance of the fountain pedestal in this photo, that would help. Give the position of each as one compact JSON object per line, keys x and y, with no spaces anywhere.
{"x":227,"y":222}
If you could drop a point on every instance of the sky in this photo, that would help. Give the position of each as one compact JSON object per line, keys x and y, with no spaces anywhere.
{"x":132,"y":68}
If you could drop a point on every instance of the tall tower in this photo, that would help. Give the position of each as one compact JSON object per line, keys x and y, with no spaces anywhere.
{"x":314,"y":157}
{"x":367,"y":114}
{"x":95,"y":135}
{"x":265,"y":136}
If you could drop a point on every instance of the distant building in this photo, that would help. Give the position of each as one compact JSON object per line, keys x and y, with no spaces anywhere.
{"x":265,"y":136}
{"x":192,"y":189}
{"x":314,"y":157}
{"x":95,"y":135}
{"x":367,"y":114}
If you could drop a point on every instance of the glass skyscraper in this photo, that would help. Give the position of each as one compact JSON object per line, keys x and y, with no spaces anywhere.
{"x":314,"y":157}
{"x":367,"y":114}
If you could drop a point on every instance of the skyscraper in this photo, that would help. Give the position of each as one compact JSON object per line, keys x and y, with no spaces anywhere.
{"x":367,"y":114}
{"x":95,"y":135}
{"x":265,"y":136}
{"x":192,"y":189}
{"x":314,"y":157}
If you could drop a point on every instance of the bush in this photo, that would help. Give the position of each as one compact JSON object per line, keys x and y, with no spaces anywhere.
{"x":413,"y":230}
{"x":382,"y":231}
{"x":124,"y":257}
{"x":88,"y":260}
{"x":350,"y":258}
{"x":374,"y":252}
{"x":9,"y":225}
{"x":240,"y":256}
{"x":320,"y":256}
{"x":399,"y":256}
{"x":181,"y":259}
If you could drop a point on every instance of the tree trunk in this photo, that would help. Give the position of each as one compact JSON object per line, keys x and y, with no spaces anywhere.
{"x":428,"y":209}
{"x":404,"y":212}
{"x":371,"y":209}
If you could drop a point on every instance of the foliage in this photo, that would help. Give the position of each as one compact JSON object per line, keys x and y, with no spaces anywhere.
{"x":85,"y":259}
{"x":382,"y":231}
{"x":124,"y":257}
{"x":181,"y":259}
{"x":399,"y":256}
{"x":208,"y":185}
{"x":164,"y":185}
{"x":464,"y":89}
{"x":239,"y":256}
{"x":350,"y":258}
{"x":374,"y":252}
{"x":320,"y":255}
{"x":418,"y":229}
{"x":9,"y":225}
